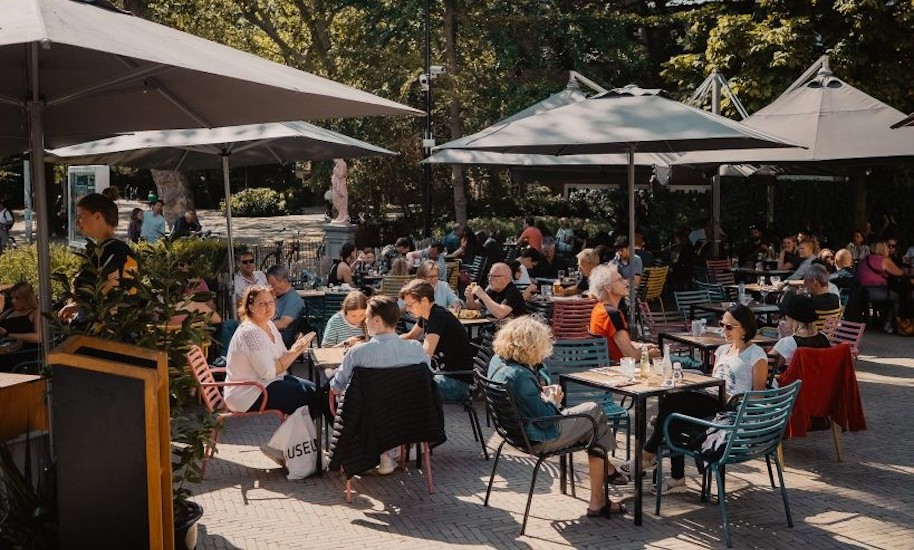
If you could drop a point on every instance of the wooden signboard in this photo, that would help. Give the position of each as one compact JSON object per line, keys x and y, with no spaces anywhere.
{"x":111,"y":430}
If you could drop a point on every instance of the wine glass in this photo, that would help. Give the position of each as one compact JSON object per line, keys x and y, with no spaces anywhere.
{"x":775,"y":280}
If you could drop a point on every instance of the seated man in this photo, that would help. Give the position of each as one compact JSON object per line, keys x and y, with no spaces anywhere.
{"x":588,"y":259}
{"x":823,"y":294}
{"x":246,"y":276}
{"x":186,"y":225}
{"x":384,"y":350}
{"x":289,"y":304}
{"x":501,"y":298}
{"x":629,"y":266}
{"x":550,"y":264}
{"x":445,"y":339}
{"x":808,"y":250}
{"x":434,"y":252}
{"x":846,"y":281}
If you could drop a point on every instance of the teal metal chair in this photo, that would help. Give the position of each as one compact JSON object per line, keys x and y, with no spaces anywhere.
{"x":685,"y":299}
{"x":569,"y":356}
{"x":756,"y":432}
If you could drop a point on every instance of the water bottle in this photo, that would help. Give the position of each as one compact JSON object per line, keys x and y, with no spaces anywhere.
{"x":645,"y":363}
{"x":741,"y":292}
{"x":677,"y":373}
{"x":667,"y":363}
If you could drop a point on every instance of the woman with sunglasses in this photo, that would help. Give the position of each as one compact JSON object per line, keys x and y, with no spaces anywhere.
{"x":741,"y":364}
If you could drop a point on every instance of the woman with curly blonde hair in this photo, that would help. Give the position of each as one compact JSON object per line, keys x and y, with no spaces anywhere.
{"x":520,"y":347}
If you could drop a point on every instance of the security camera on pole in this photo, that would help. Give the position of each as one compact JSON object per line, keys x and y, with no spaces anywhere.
{"x":425,"y":83}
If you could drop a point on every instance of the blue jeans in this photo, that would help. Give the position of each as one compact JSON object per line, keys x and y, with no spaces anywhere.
{"x":289,"y":394}
{"x":451,"y":389}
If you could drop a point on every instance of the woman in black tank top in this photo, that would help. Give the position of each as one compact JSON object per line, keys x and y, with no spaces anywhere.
{"x":340,"y":272}
{"x":18,"y":322}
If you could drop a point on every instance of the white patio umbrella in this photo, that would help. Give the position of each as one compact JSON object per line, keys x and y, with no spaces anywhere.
{"x":74,"y":72}
{"x":624,"y":120}
{"x":191,"y":149}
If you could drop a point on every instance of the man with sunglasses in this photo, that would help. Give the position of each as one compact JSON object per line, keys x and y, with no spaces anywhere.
{"x":246,"y":275}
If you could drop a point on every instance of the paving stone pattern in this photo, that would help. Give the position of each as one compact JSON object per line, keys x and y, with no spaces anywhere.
{"x":864,"y":502}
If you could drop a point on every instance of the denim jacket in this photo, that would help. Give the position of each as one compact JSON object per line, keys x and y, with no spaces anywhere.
{"x":525,"y":389}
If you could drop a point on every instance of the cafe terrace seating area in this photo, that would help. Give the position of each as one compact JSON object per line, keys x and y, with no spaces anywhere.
{"x":856,"y":503}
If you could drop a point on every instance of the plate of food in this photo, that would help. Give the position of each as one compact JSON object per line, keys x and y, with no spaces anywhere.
{"x":469,"y":314}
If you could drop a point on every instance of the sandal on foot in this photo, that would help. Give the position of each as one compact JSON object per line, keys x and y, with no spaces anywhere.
{"x":628,"y":467}
{"x":616,"y":508}
{"x":617,"y":478}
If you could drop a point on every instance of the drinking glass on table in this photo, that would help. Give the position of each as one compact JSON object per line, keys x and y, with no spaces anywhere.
{"x":775,"y":281}
{"x":561,"y":274}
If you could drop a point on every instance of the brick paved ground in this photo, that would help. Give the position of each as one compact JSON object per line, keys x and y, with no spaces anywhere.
{"x":864,"y":502}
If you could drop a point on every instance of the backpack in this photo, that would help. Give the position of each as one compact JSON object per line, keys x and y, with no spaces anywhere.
{"x":7,"y":218}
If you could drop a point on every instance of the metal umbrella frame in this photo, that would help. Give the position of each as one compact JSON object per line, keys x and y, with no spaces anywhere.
{"x":624,"y":120}
{"x":247,"y":145}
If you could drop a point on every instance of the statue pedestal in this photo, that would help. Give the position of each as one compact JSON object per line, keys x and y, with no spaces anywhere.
{"x":335,"y":235}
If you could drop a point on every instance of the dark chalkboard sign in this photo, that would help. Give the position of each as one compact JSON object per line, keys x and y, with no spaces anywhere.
{"x":110,"y":425}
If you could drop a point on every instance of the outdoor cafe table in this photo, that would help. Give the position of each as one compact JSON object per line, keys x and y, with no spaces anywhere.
{"x":761,"y":272}
{"x":324,"y":361}
{"x":706,"y":343}
{"x":476,"y":322}
{"x":639,"y":391}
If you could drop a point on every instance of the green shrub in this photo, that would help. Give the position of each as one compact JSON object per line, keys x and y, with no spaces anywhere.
{"x":257,"y":201}
{"x":21,"y":264}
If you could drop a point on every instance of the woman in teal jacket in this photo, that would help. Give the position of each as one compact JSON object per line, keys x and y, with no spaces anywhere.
{"x":519,"y":346}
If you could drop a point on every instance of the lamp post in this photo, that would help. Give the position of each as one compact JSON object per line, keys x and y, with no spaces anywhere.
{"x":428,"y":141}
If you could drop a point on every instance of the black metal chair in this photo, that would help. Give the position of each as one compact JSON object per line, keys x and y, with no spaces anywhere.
{"x":511,"y":426}
{"x":467,"y":404}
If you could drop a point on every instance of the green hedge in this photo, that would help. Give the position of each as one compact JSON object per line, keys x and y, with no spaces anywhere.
{"x":257,"y":201}
{"x":21,"y":264}
{"x":513,"y":226}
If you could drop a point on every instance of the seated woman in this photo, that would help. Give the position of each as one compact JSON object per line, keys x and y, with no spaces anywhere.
{"x":444,"y":296}
{"x":606,"y":320}
{"x":18,"y":322}
{"x":740,"y":363}
{"x":521,"y":279}
{"x":256,"y":353}
{"x":800,"y":316}
{"x":521,"y":345}
{"x":341,"y":270}
{"x":195,"y":285}
{"x":873,"y":273}
{"x":443,"y":338}
{"x":399,"y":266}
{"x":346,"y":327}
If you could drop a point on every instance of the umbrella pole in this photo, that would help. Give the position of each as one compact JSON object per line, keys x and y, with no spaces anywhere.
{"x":228,"y":226}
{"x":36,"y":160}
{"x":632,"y":291}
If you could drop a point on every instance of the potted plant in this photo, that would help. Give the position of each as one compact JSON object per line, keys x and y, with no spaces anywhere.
{"x":150,"y":310}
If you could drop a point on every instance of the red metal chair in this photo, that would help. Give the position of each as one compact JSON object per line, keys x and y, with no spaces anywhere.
{"x":571,"y":318}
{"x":719,"y":272}
{"x":847,"y":332}
{"x":212,"y":397}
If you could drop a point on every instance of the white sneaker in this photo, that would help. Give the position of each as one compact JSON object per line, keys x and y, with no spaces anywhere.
{"x":671,"y":486}
{"x":387,"y":465}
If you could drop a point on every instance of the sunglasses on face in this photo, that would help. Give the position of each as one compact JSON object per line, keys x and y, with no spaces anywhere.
{"x":247,"y":261}
{"x":727,"y":326}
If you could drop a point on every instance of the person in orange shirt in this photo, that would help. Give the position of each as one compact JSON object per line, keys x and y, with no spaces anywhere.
{"x":609,"y":287}
{"x":531,"y":235}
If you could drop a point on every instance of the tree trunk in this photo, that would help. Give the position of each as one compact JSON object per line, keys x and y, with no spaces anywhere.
{"x":458,"y":181}
{"x":174,"y":189}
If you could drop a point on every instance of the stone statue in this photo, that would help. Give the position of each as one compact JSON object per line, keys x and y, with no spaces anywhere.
{"x":340,"y":194}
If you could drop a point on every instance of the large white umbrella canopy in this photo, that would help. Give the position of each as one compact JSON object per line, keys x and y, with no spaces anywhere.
{"x":837,"y":124}
{"x":202,"y":148}
{"x":74,"y":72}
{"x":623,"y":120}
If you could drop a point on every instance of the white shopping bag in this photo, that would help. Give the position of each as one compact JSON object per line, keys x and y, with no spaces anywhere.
{"x":297,"y":438}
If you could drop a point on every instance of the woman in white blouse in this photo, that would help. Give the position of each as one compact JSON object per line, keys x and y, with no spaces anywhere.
{"x":257,"y":353}
{"x":740,"y":363}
